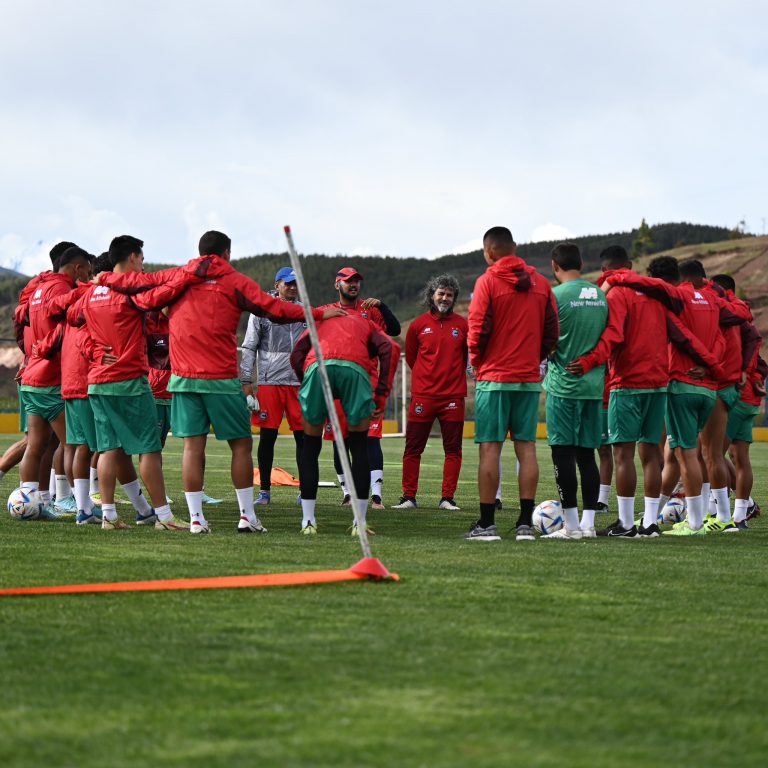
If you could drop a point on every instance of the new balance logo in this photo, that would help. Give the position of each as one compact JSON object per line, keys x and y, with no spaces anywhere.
{"x":38,"y":293}
{"x":697,"y":295}
{"x":588,"y":293}
{"x":100,"y":290}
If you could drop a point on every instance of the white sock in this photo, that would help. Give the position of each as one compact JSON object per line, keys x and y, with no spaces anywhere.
{"x":164,"y":512}
{"x":706,"y":489}
{"x":498,"y":490}
{"x":363,"y":508}
{"x":723,"y":504}
{"x":694,"y":506}
{"x":740,"y":510}
{"x":63,"y":488}
{"x":517,"y":468}
{"x":626,"y":511}
{"x":94,"y":481}
{"x":588,"y":518}
{"x":663,"y":501}
{"x":751,"y":501}
{"x":195,"y":505}
{"x":82,"y":497}
{"x":30,"y":487}
{"x":137,"y":498}
{"x":245,"y":502}
{"x":650,"y":512}
{"x":45,"y":497}
{"x":109,"y":511}
{"x":308,"y":511}
{"x":343,"y":484}
{"x":377,"y":481}
{"x":52,"y":482}
{"x":604,"y":495}
{"x":571,"y":518}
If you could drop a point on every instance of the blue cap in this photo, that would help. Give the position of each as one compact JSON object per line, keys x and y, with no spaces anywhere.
{"x":286,"y":274}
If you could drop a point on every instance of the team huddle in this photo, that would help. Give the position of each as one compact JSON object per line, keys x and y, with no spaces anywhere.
{"x":115,"y":357}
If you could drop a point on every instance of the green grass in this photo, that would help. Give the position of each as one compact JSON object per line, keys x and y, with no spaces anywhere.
{"x":599,"y":653}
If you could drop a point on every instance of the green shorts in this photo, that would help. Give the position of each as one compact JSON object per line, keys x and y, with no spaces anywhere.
{"x":635,"y":416}
{"x":45,"y":402}
{"x":604,"y":422}
{"x":740,"y":421}
{"x":126,"y":422}
{"x":730,"y":396}
{"x":498,"y":411}
{"x":574,"y":422}
{"x":81,"y":427}
{"x":163,"y":410}
{"x":22,"y":415}
{"x":194,"y":413}
{"x":349,"y":383}
{"x":687,"y":413}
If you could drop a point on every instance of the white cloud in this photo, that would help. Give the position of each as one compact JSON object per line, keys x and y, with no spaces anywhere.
{"x":549,"y":232}
{"x":468,"y":247}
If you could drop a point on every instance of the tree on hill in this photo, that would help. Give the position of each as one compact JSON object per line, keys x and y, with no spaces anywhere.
{"x":643,"y":242}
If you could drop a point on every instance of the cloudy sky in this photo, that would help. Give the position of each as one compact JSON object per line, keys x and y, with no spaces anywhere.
{"x":401,"y":127}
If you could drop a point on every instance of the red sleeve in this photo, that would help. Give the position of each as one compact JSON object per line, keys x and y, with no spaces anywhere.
{"x":299,"y":355}
{"x":20,"y":321}
{"x":684,"y":340}
{"x":50,"y":344}
{"x":412,"y":343}
{"x":166,"y":293}
{"x":135,"y":282}
{"x":250,"y":298}
{"x":669,"y":295}
{"x":480,"y":321}
{"x":613,"y":334}
{"x":551,"y":327}
{"x":58,"y":305}
{"x":732,"y":312}
{"x":382,"y":346}
{"x":750,"y":343}
{"x":76,"y":313}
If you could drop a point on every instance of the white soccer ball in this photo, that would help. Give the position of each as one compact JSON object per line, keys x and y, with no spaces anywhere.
{"x":24,"y":505}
{"x":548,"y":517}
{"x":674,"y":511}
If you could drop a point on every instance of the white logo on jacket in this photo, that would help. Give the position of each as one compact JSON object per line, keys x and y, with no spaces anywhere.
{"x":588,"y":293}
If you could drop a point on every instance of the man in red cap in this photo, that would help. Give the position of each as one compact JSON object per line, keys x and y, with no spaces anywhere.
{"x":348,"y":281}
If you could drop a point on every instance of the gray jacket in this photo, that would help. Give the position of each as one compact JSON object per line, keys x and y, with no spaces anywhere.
{"x":273,"y":343}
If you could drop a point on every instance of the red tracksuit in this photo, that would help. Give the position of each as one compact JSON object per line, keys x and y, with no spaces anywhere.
{"x":436,"y":353}
{"x":157,"y":329}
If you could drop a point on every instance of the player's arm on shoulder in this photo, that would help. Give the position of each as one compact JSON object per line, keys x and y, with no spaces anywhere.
{"x":732,"y":312}
{"x":612,"y":335}
{"x":391,"y":323}
{"x":299,"y":355}
{"x":666,"y":293}
{"x":135,"y":282}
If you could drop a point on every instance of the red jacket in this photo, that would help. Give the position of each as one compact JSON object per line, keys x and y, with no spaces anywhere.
{"x":21,"y":315}
{"x":756,"y":373}
{"x":45,"y":371}
{"x":513,"y":322}
{"x":436,"y":353}
{"x":205,"y":316}
{"x":352,"y":338}
{"x":157,"y":328}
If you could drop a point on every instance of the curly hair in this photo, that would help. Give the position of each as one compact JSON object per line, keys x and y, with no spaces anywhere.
{"x":441,"y":281}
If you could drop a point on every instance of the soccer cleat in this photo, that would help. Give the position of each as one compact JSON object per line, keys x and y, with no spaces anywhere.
{"x":168,"y":500}
{"x":376,"y":502}
{"x":246,"y":526}
{"x":171,"y":524}
{"x":353,"y":531}
{"x":524,"y":533}
{"x":588,"y":533}
{"x":199,"y":526}
{"x":96,"y":498}
{"x":113,"y":525}
{"x":87,"y":518}
{"x":606,"y":531}
{"x":149,"y":519}
{"x":684,"y":529}
{"x":346,"y":501}
{"x":499,"y":505}
{"x":308,"y":529}
{"x":406,"y":502}
{"x":66,"y":505}
{"x":564,"y":534}
{"x":446,"y":503}
{"x":478,"y":533}
{"x":96,"y":510}
{"x":601,"y":508}
{"x":624,"y":533}
{"x":718,"y":526}
{"x":208,"y":500}
{"x":742,"y":525}
{"x":651,"y":532}
{"x":263,"y":499}
{"x":48,"y":513}
{"x":753,"y":510}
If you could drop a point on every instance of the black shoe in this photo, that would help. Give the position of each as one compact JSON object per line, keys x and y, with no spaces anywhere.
{"x":651,"y":532}
{"x":624,"y":533}
{"x":742,"y":525}
{"x":499,"y":505}
{"x":346,"y":501}
{"x":753,"y":510}
{"x":601,"y":508}
{"x":606,"y":531}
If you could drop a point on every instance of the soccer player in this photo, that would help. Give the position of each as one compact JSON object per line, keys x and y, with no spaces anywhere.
{"x":277,"y":392}
{"x":512,"y":326}
{"x":436,"y":353}
{"x":348,"y":281}
{"x":123,"y":407}
{"x":574,"y":403}
{"x":204,"y":370}
{"x":692,"y":389}
{"x":41,"y":379}
{"x":348,"y":344}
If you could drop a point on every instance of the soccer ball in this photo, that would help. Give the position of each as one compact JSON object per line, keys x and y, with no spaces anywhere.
{"x":673,"y":512}
{"x":548,"y":517}
{"x":24,"y":505}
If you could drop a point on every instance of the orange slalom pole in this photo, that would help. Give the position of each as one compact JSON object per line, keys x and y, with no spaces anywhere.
{"x":367,"y":568}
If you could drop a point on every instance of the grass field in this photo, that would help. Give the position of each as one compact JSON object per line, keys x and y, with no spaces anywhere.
{"x":594,"y":653}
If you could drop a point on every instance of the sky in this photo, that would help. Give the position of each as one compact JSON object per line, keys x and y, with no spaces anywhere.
{"x":404,"y":128}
